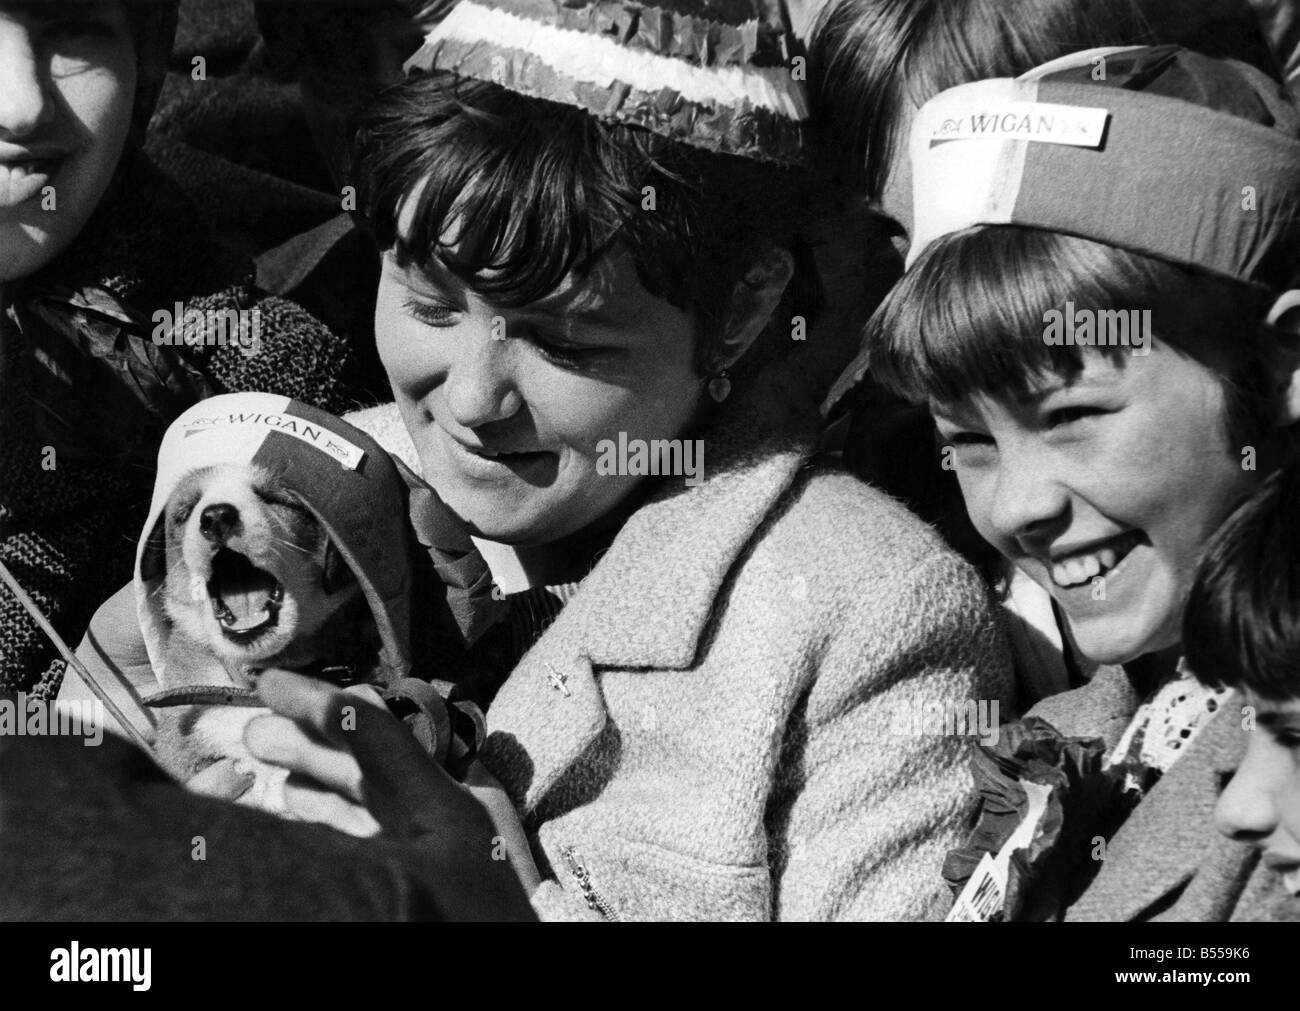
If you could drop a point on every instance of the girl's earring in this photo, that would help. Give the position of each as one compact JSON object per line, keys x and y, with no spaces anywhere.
{"x":719,"y":387}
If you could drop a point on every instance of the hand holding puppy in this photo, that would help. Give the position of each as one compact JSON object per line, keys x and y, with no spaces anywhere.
{"x":354,"y":767}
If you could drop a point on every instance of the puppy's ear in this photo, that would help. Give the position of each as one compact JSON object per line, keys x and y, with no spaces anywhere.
{"x":337,"y":572}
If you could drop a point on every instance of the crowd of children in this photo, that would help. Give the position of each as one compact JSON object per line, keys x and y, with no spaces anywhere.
{"x":589,"y":222}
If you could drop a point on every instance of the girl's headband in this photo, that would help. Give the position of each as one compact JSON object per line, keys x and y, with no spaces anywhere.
{"x":1157,"y":150}
{"x":725,"y":75}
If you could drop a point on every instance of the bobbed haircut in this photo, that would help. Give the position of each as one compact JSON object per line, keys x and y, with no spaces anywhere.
{"x":869,"y":60}
{"x":1241,"y":626}
{"x":970,"y":316}
{"x":512,"y":194}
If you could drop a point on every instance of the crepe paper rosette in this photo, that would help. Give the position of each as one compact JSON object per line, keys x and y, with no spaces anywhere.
{"x":725,"y":75}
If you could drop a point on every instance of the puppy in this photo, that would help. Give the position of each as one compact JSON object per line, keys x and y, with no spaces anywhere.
{"x":252,"y":581}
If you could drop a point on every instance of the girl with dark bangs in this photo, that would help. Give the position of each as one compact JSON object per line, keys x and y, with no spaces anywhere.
{"x":1099,"y":316}
{"x":559,"y":281}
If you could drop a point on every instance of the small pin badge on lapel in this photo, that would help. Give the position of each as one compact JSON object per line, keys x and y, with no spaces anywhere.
{"x":558,"y":681}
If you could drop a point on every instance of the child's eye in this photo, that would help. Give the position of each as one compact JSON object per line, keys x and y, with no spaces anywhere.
{"x":970,"y":439}
{"x":570,"y":356}
{"x":1288,"y":739}
{"x":437,"y":314}
{"x":1069,"y":415}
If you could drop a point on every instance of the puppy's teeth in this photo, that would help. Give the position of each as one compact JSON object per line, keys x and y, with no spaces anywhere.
{"x":1091,"y":566}
{"x":1107,"y":558}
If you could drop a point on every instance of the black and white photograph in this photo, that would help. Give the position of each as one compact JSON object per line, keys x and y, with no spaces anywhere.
{"x":651,"y":460}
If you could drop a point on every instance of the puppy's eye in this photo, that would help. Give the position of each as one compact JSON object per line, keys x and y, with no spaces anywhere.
{"x":281,"y":499}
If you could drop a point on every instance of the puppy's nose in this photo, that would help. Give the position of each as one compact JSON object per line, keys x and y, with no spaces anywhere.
{"x":218,"y":522}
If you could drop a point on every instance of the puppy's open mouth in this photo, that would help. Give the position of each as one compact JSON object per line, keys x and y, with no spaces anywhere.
{"x":245,"y":599}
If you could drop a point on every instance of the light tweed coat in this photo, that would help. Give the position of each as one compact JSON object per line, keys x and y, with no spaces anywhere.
{"x":706,"y":732}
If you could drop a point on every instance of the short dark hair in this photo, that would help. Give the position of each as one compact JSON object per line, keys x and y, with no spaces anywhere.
{"x":537,"y":190}
{"x":869,"y":59}
{"x":1241,"y":626}
{"x":968,"y":317}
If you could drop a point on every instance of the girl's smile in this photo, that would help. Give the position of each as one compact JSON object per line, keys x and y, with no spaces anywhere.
{"x":1103,"y":487}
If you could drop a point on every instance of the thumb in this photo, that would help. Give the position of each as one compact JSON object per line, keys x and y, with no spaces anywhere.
{"x":224,"y":780}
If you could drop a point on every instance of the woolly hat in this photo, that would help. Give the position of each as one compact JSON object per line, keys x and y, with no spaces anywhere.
{"x":725,"y":75}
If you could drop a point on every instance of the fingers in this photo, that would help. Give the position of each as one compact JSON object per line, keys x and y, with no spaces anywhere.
{"x":362,"y":751}
{"x":330,"y":712}
{"x":282,"y":742}
{"x":222,"y":780}
{"x":308,"y":802}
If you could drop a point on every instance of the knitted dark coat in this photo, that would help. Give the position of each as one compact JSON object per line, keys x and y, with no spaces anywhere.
{"x":78,"y":431}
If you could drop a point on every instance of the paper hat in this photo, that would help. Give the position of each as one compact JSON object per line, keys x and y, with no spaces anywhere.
{"x":725,"y":75}
{"x":1157,"y":150}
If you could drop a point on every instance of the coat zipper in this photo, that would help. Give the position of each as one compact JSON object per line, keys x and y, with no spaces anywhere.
{"x":594,"y":899}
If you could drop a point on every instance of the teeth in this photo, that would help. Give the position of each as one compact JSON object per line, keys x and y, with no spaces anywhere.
{"x":1291,"y":882}
{"x":23,"y":169}
{"x":223,"y":614}
{"x":1084,"y":568}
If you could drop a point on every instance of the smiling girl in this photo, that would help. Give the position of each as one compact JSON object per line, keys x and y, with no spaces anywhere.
{"x":1167,"y":182}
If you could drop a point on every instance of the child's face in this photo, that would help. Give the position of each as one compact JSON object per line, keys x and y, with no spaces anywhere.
{"x":67,"y":87}
{"x":1104,"y":488}
{"x":1261,"y":805}
{"x":508,"y":407}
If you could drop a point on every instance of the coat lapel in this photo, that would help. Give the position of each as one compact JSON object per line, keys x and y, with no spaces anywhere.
{"x":1171,"y":832}
{"x":645,"y":605}
{"x":545,"y":716}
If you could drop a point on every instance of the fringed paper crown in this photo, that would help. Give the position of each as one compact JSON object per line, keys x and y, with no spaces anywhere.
{"x":725,"y":75}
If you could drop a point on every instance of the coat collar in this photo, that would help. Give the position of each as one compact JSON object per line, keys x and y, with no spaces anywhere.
{"x":647,"y":601}
{"x":645,"y":604}
{"x":1171,"y":835}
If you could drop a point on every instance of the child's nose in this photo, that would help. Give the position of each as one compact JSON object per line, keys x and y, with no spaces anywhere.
{"x":24,"y":103}
{"x":1246,"y":810}
{"x":1028,"y":501}
{"x":480,"y":384}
